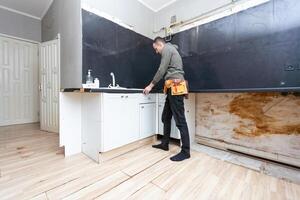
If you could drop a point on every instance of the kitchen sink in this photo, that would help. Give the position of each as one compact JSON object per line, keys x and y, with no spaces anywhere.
{"x":118,"y":88}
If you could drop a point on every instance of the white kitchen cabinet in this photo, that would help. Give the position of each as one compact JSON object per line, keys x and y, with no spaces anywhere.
{"x":106,"y":121}
{"x":147,"y":120}
{"x":120,"y":124}
{"x":110,"y":121}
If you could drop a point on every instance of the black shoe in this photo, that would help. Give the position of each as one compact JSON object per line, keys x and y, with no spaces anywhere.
{"x":180,"y":157}
{"x":161,"y":146}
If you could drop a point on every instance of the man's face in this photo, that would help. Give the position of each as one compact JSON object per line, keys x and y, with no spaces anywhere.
{"x":158,"y":47}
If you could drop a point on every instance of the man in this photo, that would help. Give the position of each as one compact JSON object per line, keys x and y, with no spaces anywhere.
{"x":171,"y":68}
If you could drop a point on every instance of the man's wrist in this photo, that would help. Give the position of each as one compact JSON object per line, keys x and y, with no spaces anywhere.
{"x":151,"y":85}
{"x":153,"y":82}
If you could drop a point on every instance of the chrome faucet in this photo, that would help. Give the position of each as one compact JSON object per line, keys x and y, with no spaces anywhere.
{"x":113,"y":81}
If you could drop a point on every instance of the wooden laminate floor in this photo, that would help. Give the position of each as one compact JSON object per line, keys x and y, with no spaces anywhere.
{"x":32,"y":166}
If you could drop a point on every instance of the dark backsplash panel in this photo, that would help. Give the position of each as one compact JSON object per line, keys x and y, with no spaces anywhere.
{"x":256,"y":49}
{"x":108,"y":47}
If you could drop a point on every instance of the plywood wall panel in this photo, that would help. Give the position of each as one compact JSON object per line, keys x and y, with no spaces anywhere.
{"x":268,"y":122}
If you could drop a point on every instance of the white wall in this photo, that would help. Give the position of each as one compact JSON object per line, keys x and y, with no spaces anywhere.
{"x":197,"y":12}
{"x":20,"y":26}
{"x":185,"y":10}
{"x":64,"y":17}
{"x":130,"y":12}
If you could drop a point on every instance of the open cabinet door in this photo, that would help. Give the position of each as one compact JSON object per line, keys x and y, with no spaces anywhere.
{"x":49,"y":85}
{"x":91,"y":125}
{"x":80,"y":123}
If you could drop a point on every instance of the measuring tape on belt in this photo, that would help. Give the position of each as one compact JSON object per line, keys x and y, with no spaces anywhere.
{"x":177,"y":86}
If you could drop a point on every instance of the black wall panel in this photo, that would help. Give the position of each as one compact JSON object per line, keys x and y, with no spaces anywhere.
{"x":108,"y":47}
{"x":256,"y":49}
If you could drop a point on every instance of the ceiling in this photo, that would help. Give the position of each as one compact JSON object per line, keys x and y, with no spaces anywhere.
{"x":31,"y":8}
{"x":157,"y":5}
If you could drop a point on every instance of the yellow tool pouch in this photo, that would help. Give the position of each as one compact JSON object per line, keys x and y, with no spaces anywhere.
{"x":178,"y":87}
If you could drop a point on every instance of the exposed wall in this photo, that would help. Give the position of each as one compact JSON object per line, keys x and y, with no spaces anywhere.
{"x":184,"y":10}
{"x":64,"y":17}
{"x":130,"y":12}
{"x":264,"y":124}
{"x":21,"y":26}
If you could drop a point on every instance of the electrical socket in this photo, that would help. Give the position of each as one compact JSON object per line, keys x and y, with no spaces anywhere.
{"x":289,"y":68}
{"x":173,"y":19}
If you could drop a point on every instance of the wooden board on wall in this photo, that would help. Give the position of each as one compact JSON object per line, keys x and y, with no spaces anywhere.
{"x":264,"y":122}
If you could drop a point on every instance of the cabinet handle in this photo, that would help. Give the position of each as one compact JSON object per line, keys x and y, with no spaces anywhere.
{"x":126,"y":97}
{"x":122,"y":96}
{"x":143,"y":107}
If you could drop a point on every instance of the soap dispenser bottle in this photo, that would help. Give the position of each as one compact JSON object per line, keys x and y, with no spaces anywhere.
{"x":97,"y":83}
{"x":89,"y":78}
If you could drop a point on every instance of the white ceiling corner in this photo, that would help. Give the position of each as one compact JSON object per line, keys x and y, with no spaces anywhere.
{"x":156,"y":5}
{"x":31,"y":8}
{"x":46,"y":8}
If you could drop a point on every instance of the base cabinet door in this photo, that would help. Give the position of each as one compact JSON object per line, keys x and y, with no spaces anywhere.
{"x":130,"y":118}
{"x":111,"y":136}
{"x":120,"y":121}
{"x":147,"y":120}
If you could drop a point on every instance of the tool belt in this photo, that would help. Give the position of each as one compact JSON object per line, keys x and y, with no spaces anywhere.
{"x":177,"y":86}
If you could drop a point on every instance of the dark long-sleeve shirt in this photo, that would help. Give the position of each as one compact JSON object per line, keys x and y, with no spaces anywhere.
{"x":171,"y":66}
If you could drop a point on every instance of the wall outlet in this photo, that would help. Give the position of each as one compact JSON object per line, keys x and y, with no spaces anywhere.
{"x":289,"y":68}
{"x":173,"y":19}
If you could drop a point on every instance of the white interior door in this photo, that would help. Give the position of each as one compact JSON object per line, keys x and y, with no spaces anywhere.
{"x":18,"y":82}
{"x":49,"y":85}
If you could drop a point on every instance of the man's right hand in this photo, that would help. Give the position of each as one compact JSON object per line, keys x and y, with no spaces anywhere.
{"x":148,"y":89}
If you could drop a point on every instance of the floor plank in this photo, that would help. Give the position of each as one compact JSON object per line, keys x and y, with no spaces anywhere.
{"x":98,"y":188}
{"x":129,"y":187}
{"x":149,"y":192}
